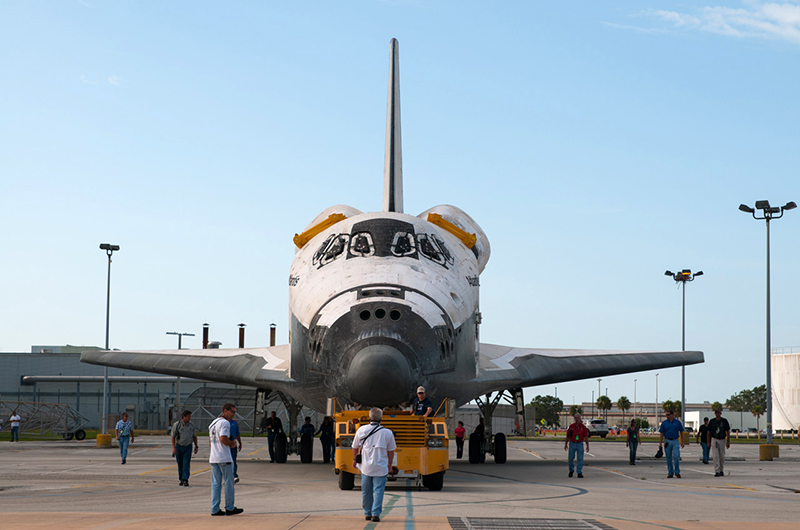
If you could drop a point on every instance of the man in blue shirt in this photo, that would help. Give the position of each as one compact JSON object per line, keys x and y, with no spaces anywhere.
{"x":236,"y":436}
{"x":671,"y":430}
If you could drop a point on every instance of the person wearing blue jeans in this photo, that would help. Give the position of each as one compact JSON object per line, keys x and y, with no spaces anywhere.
{"x":15,"y":419}
{"x":577,"y":435}
{"x":236,"y":436}
{"x":273,"y":426}
{"x":633,"y":441}
{"x":184,"y":433}
{"x":220,"y":444}
{"x":372,"y":489}
{"x":222,"y":473}
{"x":124,"y":435}
{"x":373,"y":454}
{"x":702,"y":439}
{"x":671,"y":438}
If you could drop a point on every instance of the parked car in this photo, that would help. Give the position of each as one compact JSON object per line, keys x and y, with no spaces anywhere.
{"x":597,"y":427}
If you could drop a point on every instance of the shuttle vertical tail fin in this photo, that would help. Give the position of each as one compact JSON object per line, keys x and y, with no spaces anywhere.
{"x":393,"y":165}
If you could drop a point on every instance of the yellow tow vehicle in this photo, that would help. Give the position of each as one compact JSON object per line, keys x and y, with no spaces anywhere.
{"x":422,"y":453}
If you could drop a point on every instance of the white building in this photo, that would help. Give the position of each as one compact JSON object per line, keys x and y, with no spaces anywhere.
{"x":785,"y":388}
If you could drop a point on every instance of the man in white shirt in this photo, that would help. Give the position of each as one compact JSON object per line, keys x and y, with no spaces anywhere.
{"x":14,"y":419}
{"x":377,"y":446}
{"x":219,"y":439}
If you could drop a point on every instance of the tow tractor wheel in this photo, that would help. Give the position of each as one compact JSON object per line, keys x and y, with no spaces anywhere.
{"x":346,"y":480}
{"x":499,"y":448}
{"x":434,"y":482}
{"x":306,"y":448}
{"x":80,"y":434}
{"x":67,"y":435}
{"x":280,"y":448}
{"x":474,"y":448}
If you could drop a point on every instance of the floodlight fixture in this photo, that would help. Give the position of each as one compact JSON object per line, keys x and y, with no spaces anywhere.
{"x":790,"y":205}
{"x":745,"y":208}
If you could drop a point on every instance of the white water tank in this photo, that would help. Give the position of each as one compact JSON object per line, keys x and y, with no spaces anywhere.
{"x":785,"y":388}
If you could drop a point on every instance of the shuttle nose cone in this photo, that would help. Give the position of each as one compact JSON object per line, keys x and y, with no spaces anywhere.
{"x":379,"y":376}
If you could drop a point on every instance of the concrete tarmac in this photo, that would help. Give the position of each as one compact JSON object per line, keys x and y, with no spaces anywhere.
{"x":75,"y":485}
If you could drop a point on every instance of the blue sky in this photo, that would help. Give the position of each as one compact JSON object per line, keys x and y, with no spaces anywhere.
{"x":596,"y":143}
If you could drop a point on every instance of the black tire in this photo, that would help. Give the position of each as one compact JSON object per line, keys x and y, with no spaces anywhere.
{"x":80,"y":434}
{"x":500,"y":448}
{"x":67,"y":435}
{"x":346,"y":480}
{"x":475,"y":448}
{"x":280,"y":448}
{"x":434,"y":482}
{"x":602,"y":436}
{"x":306,"y":448}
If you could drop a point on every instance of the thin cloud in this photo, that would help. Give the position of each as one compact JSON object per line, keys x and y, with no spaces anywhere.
{"x":84,"y":3}
{"x":88,"y":81}
{"x":115,"y":80}
{"x":774,"y":21}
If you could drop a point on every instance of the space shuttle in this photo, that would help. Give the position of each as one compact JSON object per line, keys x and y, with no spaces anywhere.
{"x":383,"y":302}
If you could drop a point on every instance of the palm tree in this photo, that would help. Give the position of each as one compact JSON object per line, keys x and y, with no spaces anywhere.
{"x":575,"y":409}
{"x":624,"y":404}
{"x":757,"y":411}
{"x":604,"y":404}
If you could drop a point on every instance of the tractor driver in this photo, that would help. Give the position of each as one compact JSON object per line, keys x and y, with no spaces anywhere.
{"x":423,"y":406}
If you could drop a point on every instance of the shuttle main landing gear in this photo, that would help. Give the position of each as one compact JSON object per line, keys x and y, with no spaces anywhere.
{"x":495,"y":444}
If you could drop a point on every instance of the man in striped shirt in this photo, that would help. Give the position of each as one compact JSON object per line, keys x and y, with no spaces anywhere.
{"x":124,"y":435}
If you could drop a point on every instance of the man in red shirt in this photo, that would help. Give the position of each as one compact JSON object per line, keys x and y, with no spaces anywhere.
{"x":577,"y":434}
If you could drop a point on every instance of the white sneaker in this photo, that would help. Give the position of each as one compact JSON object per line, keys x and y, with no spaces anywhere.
{"x":235,"y":480}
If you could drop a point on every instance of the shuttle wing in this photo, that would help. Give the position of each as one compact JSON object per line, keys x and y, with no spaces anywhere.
{"x":256,"y":367}
{"x":522,"y":367}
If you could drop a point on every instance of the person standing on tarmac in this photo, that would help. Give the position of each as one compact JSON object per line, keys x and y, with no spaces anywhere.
{"x":373,"y":453}
{"x":220,"y":444}
{"x":577,"y":435}
{"x":327,"y":439}
{"x":236,"y":436}
{"x":273,"y":426}
{"x":702,"y":439}
{"x":423,"y":406}
{"x":124,"y":435}
{"x":671,"y":429}
{"x":632,"y":442}
{"x":719,"y":437}
{"x":14,"y":419}
{"x":183,"y":434}
{"x":460,"y":432}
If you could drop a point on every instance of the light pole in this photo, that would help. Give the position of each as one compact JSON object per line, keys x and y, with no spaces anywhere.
{"x":656,"y":407}
{"x":684,"y":276}
{"x":110,"y":249}
{"x":178,"y":379}
{"x":768,"y":213}
{"x":634,"y":398}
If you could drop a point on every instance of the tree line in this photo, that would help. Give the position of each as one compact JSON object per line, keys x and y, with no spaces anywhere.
{"x":549,"y":408}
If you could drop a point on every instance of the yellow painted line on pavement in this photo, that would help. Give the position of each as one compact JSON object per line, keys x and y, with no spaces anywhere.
{"x":740,"y":487}
{"x":157,"y":470}
{"x":537,"y":455}
{"x":254,"y":452}
{"x":201,"y":471}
